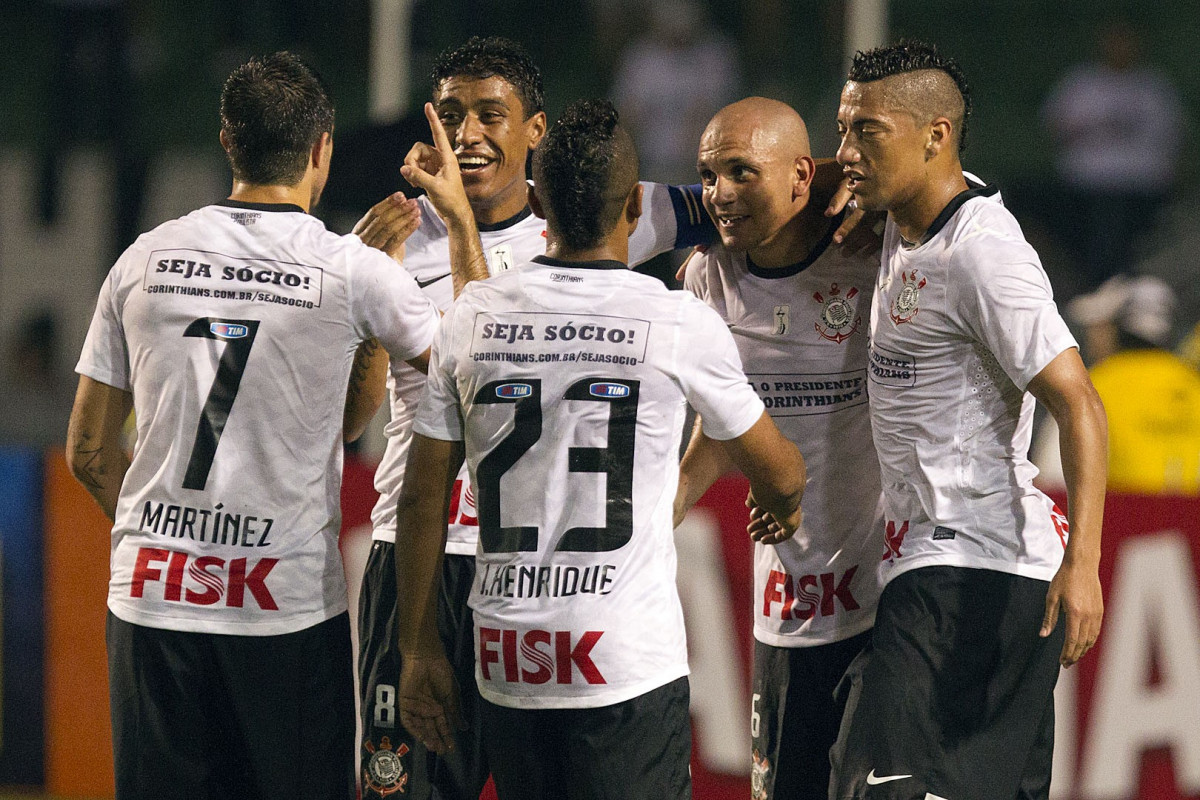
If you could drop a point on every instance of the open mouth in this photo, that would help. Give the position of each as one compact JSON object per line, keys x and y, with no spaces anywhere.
{"x":730,"y":220}
{"x":471,"y":165}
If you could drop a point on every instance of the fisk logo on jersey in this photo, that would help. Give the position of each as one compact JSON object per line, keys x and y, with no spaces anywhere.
{"x":226,"y":330}
{"x":514,"y":390}
{"x":799,"y":598}
{"x":543,"y":656}
{"x":212,"y":578}
{"x":608,"y":390}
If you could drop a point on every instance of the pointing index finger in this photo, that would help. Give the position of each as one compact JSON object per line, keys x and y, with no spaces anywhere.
{"x":440,"y":140}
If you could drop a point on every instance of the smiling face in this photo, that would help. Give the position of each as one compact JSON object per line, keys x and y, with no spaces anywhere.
{"x":485,"y":121}
{"x":884,"y":151}
{"x":750,"y":180}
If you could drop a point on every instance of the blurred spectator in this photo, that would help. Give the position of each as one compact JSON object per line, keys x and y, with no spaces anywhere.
{"x":1119,"y":126}
{"x":91,"y":98}
{"x":34,"y":393}
{"x":669,"y":83}
{"x":1151,"y":395}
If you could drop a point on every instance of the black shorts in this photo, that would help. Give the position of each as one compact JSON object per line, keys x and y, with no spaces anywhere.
{"x":956,"y":695}
{"x":215,"y":716}
{"x":393,"y":762}
{"x":794,"y":717}
{"x":633,"y":750}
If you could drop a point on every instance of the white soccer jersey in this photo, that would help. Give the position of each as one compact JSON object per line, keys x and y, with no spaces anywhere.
{"x":959,"y":326}
{"x":673,"y":218}
{"x":802,"y":336}
{"x":570,"y":387}
{"x":235,"y":329}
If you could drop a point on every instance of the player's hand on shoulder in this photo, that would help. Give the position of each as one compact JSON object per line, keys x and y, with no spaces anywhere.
{"x":1074,"y":594}
{"x":699,"y":249}
{"x":435,"y":169}
{"x":389,"y":223}
{"x":766,"y":528}
{"x":428,"y":701}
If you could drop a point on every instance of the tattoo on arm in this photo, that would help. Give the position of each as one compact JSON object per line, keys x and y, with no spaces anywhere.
{"x":93,"y":467}
{"x":362,"y":366}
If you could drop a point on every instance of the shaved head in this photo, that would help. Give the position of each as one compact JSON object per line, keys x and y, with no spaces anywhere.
{"x":764,"y":123}
{"x":927,"y":95}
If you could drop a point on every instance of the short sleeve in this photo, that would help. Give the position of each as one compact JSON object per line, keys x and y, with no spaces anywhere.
{"x":672,"y":218}
{"x":710,"y":373}
{"x":1007,"y":304}
{"x":439,"y":414}
{"x":105,"y":355}
{"x":387,"y":304}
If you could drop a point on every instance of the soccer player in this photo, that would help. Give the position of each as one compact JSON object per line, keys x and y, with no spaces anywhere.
{"x":231,"y":333}
{"x":565,"y":385}
{"x":956,"y":695}
{"x":797,"y":306}
{"x":487,"y":94}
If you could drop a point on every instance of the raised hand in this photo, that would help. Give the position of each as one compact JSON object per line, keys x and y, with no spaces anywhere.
{"x":389,"y":223}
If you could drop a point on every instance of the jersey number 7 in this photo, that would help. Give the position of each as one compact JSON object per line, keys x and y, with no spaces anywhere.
{"x":615,"y":460}
{"x":238,"y":335}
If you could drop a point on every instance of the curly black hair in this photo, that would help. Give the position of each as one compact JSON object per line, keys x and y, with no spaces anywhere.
{"x":583,"y":170}
{"x":273,"y":110}
{"x":494,"y":56}
{"x":912,"y":55}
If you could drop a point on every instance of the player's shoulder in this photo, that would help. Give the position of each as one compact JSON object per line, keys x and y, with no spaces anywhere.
{"x":984,"y":232}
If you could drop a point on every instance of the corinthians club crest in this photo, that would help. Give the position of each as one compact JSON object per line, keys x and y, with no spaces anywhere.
{"x":385,"y":773}
{"x":904,"y":307}
{"x":838,"y":320}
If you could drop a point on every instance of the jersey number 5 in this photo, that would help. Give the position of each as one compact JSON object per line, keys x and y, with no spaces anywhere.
{"x":615,"y":460}
{"x":238,"y":336}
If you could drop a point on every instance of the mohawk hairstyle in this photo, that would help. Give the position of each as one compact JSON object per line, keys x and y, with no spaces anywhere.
{"x":494,"y":56}
{"x":912,"y":55}
{"x":583,"y":170}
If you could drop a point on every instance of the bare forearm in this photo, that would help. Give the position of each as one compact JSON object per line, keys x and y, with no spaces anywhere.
{"x":1083,"y":439}
{"x":366,"y":390}
{"x":101,"y":469}
{"x":467,"y":262}
{"x":94,"y":452}
{"x":704,"y":462}
{"x":773,"y":465}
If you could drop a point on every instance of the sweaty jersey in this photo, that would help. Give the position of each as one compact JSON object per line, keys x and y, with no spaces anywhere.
{"x":235,"y":329}
{"x":673,"y":218}
{"x":960,"y":324}
{"x":569,"y":384}
{"x":801,"y":332}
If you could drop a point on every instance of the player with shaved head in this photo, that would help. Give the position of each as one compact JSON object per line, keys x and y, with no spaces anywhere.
{"x":796,"y":304}
{"x":565,"y":383}
{"x":956,"y":695}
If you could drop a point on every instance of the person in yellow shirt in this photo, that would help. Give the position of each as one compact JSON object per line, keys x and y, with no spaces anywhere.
{"x":1152,"y":395}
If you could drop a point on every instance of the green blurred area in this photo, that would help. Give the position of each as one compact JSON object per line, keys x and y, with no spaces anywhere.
{"x":1012,"y":51}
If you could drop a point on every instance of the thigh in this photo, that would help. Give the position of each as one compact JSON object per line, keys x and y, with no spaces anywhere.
{"x":292,"y":707}
{"x":797,"y":716}
{"x":163,"y":687}
{"x":636,"y":749}
{"x":954,"y":690}
{"x":527,"y":754}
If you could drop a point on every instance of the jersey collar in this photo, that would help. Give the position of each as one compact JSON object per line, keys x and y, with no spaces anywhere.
{"x":558,"y":262}
{"x":505,"y":223}
{"x":953,"y":206}
{"x":799,"y":266}
{"x":260,"y":206}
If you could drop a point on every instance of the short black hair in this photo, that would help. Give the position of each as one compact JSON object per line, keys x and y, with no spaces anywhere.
{"x":494,"y":56}
{"x":273,"y":110}
{"x":912,"y":55}
{"x":583,"y":170}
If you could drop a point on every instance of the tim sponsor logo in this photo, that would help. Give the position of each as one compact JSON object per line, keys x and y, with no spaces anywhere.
{"x":514,"y":390}
{"x":226,"y":330}
{"x":809,"y":595}
{"x":210,"y":579}
{"x":538,"y":656}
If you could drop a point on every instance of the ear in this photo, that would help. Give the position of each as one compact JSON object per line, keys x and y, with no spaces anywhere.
{"x":322,"y":151}
{"x":802,"y":176}
{"x":535,"y":129}
{"x":633,"y":204}
{"x":535,"y":205}
{"x":941,"y":133}
{"x":226,"y":142}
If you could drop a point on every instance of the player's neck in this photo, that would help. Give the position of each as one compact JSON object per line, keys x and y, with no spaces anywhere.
{"x":611,"y":248}
{"x":914,"y":217}
{"x":504,"y":206}
{"x":794,"y":242}
{"x":298,"y":195}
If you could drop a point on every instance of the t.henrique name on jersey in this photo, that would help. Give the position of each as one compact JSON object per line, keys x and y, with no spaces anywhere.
{"x":203,"y":274}
{"x":539,"y":337}
{"x":521,"y":580}
{"x":214,"y":526}
{"x":801,"y":395}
